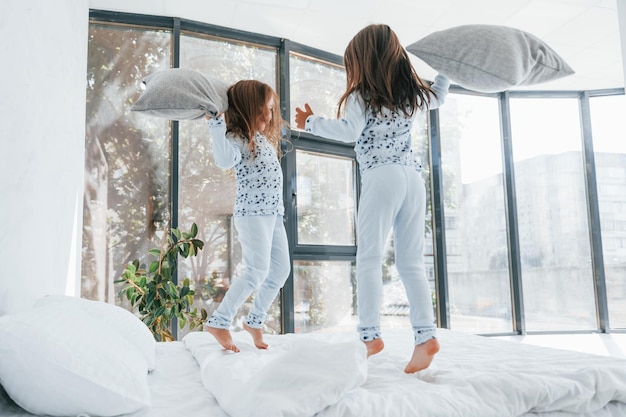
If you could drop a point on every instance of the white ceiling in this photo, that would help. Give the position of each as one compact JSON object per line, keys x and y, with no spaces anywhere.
{"x":584,"y":32}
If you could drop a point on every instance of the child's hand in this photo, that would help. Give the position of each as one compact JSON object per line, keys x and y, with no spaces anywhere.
{"x":209,"y":116}
{"x":301,"y":115}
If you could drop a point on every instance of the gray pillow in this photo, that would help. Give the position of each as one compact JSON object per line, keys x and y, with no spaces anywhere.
{"x":490,"y":58}
{"x":181,"y":94}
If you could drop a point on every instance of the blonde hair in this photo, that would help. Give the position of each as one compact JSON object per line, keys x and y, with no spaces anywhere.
{"x":247,"y":100}
{"x":379,"y":69}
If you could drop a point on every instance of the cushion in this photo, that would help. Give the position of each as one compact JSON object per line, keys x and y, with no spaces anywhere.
{"x":115,"y":318}
{"x":490,"y":58}
{"x":57,"y":361}
{"x":181,"y":94}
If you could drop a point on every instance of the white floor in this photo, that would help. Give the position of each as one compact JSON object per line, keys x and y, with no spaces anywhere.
{"x":612,"y":344}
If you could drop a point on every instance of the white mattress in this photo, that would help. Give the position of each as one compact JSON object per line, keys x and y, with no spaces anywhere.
{"x":471,"y":376}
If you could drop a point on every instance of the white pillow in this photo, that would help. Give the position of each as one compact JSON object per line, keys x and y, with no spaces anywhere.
{"x":121,"y":320}
{"x":490,"y":58}
{"x":57,"y":361}
{"x":181,"y":94}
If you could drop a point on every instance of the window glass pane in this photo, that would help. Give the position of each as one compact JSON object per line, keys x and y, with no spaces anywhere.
{"x":206,"y":192}
{"x":127,"y":157}
{"x":608,"y":127}
{"x":326,"y":199}
{"x":228,"y":60}
{"x":323,"y":295}
{"x":552,"y":215}
{"x":319,"y":84}
{"x":325,"y":298}
{"x":475,"y":229}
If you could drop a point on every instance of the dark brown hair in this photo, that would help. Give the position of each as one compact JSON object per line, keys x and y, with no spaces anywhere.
{"x":246,"y":105}
{"x":379,"y":69}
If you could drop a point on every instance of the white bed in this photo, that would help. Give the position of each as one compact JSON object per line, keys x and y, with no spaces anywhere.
{"x":326,"y":374}
{"x":68,"y":357}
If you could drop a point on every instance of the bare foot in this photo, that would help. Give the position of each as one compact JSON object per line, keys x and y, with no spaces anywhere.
{"x":422,"y":356}
{"x":374,"y":346}
{"x":223,"y":337}
{"x":257,"y":336}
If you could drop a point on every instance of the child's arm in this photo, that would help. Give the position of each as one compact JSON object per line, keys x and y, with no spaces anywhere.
{"x":346,"y":129}
{"x":224,"y":153}
{"x":440,"y":88}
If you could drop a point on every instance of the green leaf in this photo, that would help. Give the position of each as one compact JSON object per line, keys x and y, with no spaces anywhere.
{"x":159,"y":311}
{"x":166,"y":275}
{"x":155,"y":252}
{"x":150,"y":298}
{"x":172,"y":290}
{"x":154,"y":266}
{"x":184,"y":291}
{"x":194,"y":230}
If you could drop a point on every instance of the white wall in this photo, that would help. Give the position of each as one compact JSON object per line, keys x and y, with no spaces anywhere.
{"x":621,"y":14}
{"x":42,"y":118}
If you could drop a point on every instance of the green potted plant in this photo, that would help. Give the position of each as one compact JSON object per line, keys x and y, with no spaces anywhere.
{"x":152,"y":292}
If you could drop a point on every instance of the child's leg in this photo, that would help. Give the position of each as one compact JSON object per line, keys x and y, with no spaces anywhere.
{"x":378,"y":205}
{"x":409,"y":248}
{"x":255,"y":236}
{"x":279,"y":272}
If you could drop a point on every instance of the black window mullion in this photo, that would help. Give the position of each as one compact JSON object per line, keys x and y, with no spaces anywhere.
{"x":437,"y":199}
{"x":288,"y":164}
{"x":174,"y":161}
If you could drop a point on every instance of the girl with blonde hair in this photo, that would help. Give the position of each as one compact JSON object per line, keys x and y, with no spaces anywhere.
{"x":247,"y":138}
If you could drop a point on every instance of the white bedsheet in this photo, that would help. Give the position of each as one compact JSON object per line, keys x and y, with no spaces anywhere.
{"x":296,"y":377}
{"x":324,"y":375}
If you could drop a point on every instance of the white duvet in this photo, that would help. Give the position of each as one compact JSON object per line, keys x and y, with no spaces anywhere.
{"x":328,"y":375}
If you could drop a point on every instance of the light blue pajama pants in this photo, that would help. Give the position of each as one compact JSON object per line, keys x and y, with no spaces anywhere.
{"x":266,"y":266}
{"x":392,"y":196}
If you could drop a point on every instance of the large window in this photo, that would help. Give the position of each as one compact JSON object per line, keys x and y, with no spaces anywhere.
{"x":127,"y":156}
{"x":552,"y":215}
{"x":525,"y":228}
{"x":476,"y":235}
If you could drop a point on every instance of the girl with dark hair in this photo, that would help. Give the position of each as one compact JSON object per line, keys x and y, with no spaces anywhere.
{"x":382,"y":98}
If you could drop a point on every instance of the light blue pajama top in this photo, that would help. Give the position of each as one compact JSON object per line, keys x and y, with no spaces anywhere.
{"x":259,"y":179}
{"x":380,"y":139}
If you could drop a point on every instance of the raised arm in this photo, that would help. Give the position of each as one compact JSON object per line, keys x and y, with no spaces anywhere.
{"x":346,"y":129}
{"x":440,"y":87}
{"x":225,"y":154}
